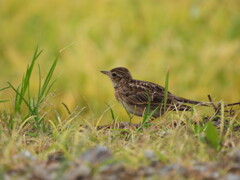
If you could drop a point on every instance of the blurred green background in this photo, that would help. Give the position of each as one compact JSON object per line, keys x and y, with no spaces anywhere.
{"x":198,"y":40}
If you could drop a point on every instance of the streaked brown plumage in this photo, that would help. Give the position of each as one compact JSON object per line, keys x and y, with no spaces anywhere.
{"x":134,"y":95}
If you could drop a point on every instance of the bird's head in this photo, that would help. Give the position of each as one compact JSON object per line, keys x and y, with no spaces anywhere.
{"x":118,"y":76}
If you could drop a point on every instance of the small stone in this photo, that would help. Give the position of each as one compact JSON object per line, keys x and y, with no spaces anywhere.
{"x":149,"y":171}
{"x":55,"y":157}
{"x":150,"y":155}
{"x":232,"y":177}
{"x":111,"y":177}
{"x":236,"y":156}
{"x":200,"y":168}
{"x":97,"y":154}
{"x":25,"y":155}
{"x":40,"y":172}
{"x":80,"y":172}
{"x":111,"y":168}
{"x":234,"y":168}
{"x":105,"y":168}
{"x":170,"y":168}
{"x":215,"y":175}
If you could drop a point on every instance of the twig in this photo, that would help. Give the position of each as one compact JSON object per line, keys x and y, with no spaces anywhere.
{"x":232,"y":104}
{"x":217,"y":109}
{"x":213,"y":105}
{"x":69,"y":112}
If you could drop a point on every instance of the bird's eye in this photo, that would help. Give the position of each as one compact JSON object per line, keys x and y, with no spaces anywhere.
{"x":114,"y":74}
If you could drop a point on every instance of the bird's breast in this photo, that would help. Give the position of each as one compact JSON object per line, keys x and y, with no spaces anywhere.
{"x":116,"y":93}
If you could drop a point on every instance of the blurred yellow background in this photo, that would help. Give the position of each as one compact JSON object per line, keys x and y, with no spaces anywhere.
{"x":198,"y":40}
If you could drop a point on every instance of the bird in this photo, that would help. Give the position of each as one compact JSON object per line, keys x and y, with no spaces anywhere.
{"x":137,"y":96}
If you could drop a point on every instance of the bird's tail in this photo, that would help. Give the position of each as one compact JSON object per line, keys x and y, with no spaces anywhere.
{"x":188,"y":101}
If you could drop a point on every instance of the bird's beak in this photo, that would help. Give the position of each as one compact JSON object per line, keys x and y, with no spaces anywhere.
{"x":105,"y":72}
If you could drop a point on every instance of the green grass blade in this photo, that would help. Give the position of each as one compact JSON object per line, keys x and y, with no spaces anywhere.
{"x":29,"y":93}
{"x":25,"y":81}
{"x":3,"y":101}
{"x":111,"y":110}
{"x":129,"y":114}
{"x":50,"y":87}
{"x":146,"y":113}
{"x":16,"y":101}
{"x":166,"y":92}
{"x":5,"y":88}
{"x":46,"y":82}
{"x":39,"y":79}
{"x":16,"y":91}
{"x":212,"y":135}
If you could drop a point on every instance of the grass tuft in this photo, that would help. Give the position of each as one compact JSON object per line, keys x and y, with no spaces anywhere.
{"x":23,"y":94}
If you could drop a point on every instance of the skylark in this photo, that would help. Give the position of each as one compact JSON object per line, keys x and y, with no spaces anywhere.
{"x":136,"y":95}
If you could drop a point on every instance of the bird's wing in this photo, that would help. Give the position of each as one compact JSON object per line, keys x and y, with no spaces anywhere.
{"x":141,"y":95}
{"x":141,"y":99}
